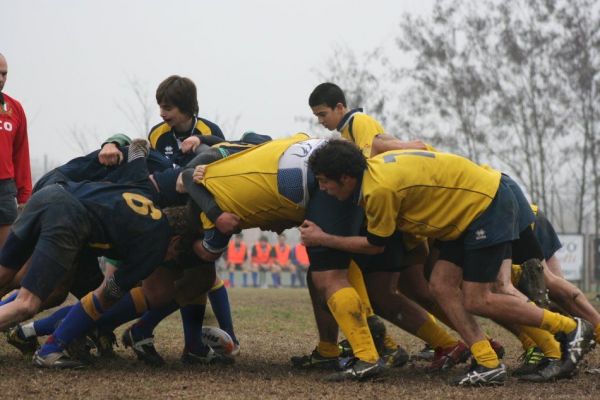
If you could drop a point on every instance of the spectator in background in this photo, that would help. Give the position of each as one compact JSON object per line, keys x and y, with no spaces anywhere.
{"x":236,"y":256}
{"x":280,"y":254}
{"x":300,"y":260}
{"x":15,"y":170}
{"x":261,"y":262}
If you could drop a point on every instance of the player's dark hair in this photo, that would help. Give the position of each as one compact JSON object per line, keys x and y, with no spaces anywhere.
{"x":179,"y":92}
{"x":327,"y":93}
{"x":336,"y":158}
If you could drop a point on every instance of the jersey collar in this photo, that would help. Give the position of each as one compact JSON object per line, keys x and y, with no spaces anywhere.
{"x":346,"y":119}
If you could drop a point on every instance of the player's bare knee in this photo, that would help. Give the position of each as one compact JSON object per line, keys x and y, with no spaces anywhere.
{"x":438,"y":289}
{"x":28,"y":305}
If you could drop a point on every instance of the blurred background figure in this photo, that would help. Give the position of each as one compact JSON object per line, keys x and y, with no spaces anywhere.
{"x":261,"y":262}
{"x":237,"y":257}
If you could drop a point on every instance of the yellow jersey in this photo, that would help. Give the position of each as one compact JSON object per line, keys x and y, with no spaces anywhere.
{"x":245,"y":184}
{"x":361,"y":129}
{"x":425,"y":193}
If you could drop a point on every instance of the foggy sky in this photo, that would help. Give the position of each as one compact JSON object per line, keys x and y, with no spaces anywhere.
{"x":70,"y":62}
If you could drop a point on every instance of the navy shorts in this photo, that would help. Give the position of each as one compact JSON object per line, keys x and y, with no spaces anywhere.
{"x":546,"y":235}
{"x":526,"y":247}
{"x":487,"y":241}
{"x":342,"y":218}
{"x":88,"y":275}
{"x":479,"y":265}
{"x":8,"y":202}
{"x":498,"y":223}
{"x":525,"y":215}
{"x":52,"y":229}
{"x":391,"y":260}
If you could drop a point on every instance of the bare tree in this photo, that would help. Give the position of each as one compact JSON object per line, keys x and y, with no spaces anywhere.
{"x":579,"y":61}
{"x":141,"y":111}
{"x":83,"y":140}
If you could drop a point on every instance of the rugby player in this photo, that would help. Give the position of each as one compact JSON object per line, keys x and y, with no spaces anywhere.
{"x":328,"y":104}
{"x":327,"y":267}
{"x":470,"y":210}
{"x":177,"y":137}
{"x":111,"y":218}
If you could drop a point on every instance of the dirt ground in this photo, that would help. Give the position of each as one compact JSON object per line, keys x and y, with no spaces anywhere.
{"x":272,"y":325}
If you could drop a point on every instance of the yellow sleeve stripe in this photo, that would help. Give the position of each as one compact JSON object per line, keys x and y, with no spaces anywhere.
{"x":203,"y":128}
{"x":156,"y":133}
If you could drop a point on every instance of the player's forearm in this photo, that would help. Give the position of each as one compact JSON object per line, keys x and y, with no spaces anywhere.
{"x":201,"y":196}
{"x":350,"y":244}
{"x":383,"y":143}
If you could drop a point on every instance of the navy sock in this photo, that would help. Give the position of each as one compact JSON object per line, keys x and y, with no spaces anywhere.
{"x":231,"y":278}
{"x":9,"y":298}
{"x":75,"y":324}
{"x":46,"y":326}
{"x":219,"y":302}
{"x":255,"y":279}
{"x":192,"y":316}
{"x":121,"y":312}
{"x":245,"y":279}
{"x":144,"y":327}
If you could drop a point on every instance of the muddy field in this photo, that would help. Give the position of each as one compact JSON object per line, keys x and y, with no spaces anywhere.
{"x":272,"y":325}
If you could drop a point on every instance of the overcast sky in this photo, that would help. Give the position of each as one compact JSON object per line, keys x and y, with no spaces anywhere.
{"x":70,"y":61}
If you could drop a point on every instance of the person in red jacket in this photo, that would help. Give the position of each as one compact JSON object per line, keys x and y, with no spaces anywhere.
{"x":261,"y":261}
{"x":15,"y":170}
{"x":236,"y":256}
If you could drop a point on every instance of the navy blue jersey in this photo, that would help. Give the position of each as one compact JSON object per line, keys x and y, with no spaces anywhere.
{"x":126,"y":225}
{"x":168,"y":142}
{"x":88,"y":168}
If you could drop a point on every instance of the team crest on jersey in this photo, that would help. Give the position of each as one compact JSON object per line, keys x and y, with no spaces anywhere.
{"x":480,"y":234}
{"x":4,"y":109}
{"x":168,"y":150}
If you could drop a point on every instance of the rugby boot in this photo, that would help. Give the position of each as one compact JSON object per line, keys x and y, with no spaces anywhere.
{"x":576,"y":344}
{"x":143,"y":348}
{"x":79,"y":349}
{"x":478,"y":375}
{"x":103,"y":342}
{"x":206,"y":356}
{"x":236,"y":349}
{"x":27,"y":346}
{"x":447,"y":357}
{"x":357,"y":370}
{"x":425,"y":354}
{"x":530,"y":362}
{"x":378,"y":331}
{"x":549,"y":370}
{"x":394,"y":358}
{"x":315,"y":361}
{"x":345,"y":348}
{"x":58,"y":360}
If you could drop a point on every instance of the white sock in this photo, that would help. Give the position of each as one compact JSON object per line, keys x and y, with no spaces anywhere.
{"x":28,"y":330}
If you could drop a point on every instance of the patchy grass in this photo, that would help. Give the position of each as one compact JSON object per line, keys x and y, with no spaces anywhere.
{"x":272,"y":325}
